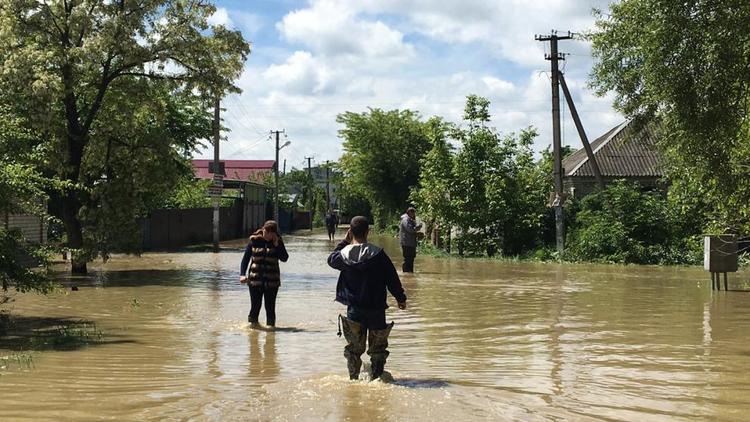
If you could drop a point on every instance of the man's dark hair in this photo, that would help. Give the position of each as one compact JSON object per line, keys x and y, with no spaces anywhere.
{"x":359,"y":226}
{"x":410,"y":209}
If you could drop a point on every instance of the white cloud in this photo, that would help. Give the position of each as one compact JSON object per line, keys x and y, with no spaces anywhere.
{"x":331,"y":28}
{"x":249,"y":23}
{"x":336,"y":56}
{"x":220,"y":17}
{"x":506,"y":26}
{"x":300,"y":74}
{"x":498,"y":86}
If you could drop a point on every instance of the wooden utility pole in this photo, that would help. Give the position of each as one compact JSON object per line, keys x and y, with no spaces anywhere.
{"x":554,"y":57}
{"x":310,"y":191}
{"x":582,"y":133}
{"x":328,"y":186}
{"x":276,"y":178}
{"x":218,"y":179}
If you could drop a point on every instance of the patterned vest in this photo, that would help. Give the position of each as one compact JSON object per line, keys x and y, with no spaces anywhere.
{"x":264,"y":264}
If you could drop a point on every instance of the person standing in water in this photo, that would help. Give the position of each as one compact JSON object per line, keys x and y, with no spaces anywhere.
{"x":260,"y":270}
{"x":331,"y":222}
{"x":407,"y":231}
{"x":366,"y":272}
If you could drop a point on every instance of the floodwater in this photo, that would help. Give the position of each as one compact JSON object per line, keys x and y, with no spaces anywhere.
{"x":480,"y":340}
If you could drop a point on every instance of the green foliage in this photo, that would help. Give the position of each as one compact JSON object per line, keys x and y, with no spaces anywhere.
{"x":625,"y":225}
{"x":382,"y":151}
{"x":22,"y":191}
{"x":116,"y":94}
{"x":17,"y":259}
{"x":684,"y":65}
{"x":433,"y":193}
{"x":192,"y":193}
{"x":491,"y":189}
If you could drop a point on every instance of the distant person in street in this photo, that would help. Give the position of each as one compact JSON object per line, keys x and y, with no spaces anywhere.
{"x":332,"y":220}
{"x":366,"y":274}
{"x":407,"y":231}
{"x":260,"y":271}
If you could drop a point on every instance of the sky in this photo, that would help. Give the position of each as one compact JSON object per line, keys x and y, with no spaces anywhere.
{"x":314,"y":59}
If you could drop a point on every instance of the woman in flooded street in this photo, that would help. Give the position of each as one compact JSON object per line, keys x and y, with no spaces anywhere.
{"x":260,"y":270}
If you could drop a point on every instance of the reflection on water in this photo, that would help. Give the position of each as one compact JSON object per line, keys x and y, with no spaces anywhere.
{"x":480,"y":340}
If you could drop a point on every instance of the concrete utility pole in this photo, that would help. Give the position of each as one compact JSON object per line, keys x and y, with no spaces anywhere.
{"x":553,"y":57}
{"x":276,"y":176}
{"x":218,"y":179}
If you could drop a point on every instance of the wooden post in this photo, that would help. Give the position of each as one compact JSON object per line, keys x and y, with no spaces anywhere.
{"x":726,"y":289}
{"x":582,"y":133}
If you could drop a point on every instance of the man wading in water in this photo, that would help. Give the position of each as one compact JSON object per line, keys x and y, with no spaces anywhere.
{"x":366,"y":273}
{"x":407,"y":231}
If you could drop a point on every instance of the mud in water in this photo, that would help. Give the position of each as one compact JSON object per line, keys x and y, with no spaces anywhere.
{"x":481,"y":340}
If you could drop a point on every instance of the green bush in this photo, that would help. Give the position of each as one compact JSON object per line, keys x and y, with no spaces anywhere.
{"x":624,"y":224}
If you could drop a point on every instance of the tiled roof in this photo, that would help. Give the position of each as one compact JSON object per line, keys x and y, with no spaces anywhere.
{"x":621,"y":152}
{"x":242,"y":170}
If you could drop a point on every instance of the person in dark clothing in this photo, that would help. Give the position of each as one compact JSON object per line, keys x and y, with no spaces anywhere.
{"x":260,"y":270}
{"x":407,"y":230}
{"x":332,"y":221}
{"x":366,"y":272}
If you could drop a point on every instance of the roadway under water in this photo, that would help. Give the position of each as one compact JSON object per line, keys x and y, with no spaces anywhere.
{"x":479,"y":340}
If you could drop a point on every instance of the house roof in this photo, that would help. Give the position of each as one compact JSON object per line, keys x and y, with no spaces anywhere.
{"x":242,"y":170}
{"x":623,"y":151}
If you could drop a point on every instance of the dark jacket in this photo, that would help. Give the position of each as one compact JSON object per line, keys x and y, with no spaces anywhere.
{"x":366,"y":273}
{"x":263,"y":259}
{"x":331,"y":220}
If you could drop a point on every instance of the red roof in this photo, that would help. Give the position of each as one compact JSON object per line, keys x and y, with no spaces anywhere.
{"x":243,"y":170}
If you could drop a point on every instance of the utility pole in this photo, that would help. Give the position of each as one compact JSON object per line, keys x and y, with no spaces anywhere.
{"x":554,"y":57}
{"x":328,"y":186}
{"x":218,"y":179}
{"x":276,"y":177}
{"x":284,"y":172}
{"x":310,"y":191}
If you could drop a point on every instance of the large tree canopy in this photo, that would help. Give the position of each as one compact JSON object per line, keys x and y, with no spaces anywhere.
{"x":382,"y":151}
{"x":116,"y":89}
{"x":686,"y":65}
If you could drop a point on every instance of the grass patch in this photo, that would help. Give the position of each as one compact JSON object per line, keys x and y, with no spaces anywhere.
{"x":27,"y":334}
{"x":18,"y":361}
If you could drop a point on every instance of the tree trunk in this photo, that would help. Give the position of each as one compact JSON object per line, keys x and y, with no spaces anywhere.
{"x":74,"y":231}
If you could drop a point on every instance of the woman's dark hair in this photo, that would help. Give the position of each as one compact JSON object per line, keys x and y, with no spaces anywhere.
{"x":359,"y":226}
{"x":270,"y":226}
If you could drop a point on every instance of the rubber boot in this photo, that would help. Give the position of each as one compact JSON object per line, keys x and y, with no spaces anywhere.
{"x":378,"y":350}
{"x":355,"y":336}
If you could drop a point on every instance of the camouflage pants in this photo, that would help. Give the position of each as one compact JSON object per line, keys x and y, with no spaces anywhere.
{"x":357,"y":336}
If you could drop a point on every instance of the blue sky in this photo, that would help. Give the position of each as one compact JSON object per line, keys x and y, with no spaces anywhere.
{"x":312,"y":60}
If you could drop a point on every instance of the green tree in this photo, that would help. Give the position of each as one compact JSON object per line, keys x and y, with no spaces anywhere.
{"x":432,"y":195}
{"x":87,"y":73}
{"x":683,"y":64}
{"x":485,"y":184}
{"x":492,"y":189}
{"x":382,"y":150}
{"x":22,"y":190}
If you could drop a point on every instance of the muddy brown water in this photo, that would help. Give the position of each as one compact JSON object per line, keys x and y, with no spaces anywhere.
{"x":480,"y":340}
